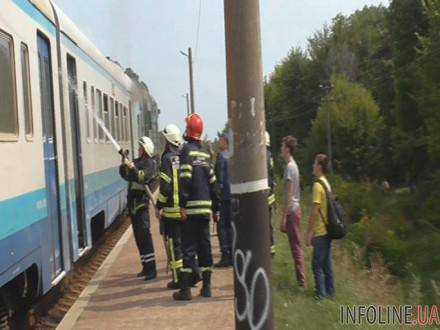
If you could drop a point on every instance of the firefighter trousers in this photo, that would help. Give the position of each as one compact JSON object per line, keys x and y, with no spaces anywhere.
{"x":173,"y":234}
{"x":196,"y":245}
{"x":142,"y":235}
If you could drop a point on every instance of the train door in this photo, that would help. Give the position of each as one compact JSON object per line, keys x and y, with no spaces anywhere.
{"x":76,"y":149}
{"x":50,"y":154}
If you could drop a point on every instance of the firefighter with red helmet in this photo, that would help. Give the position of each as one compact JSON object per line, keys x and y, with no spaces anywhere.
{"x":199,"y":200}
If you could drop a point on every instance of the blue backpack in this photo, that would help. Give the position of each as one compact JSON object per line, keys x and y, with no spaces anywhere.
{"x":336,"y":215}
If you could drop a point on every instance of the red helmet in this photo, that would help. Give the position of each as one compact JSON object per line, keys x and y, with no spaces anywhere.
{"x":194,"y":127}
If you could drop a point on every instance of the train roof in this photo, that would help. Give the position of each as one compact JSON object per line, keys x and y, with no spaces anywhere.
{"x":73,"y":32}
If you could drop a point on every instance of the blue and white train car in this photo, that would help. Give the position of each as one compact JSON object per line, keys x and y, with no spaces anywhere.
{"x":60,"y":186}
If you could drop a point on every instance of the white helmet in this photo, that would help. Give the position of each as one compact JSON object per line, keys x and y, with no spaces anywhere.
{"x":267,"y":139}
{"x":146,"y":143}
{"x":172,"y":134}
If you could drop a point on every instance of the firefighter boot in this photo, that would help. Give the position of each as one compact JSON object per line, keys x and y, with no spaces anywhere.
{"x":206,"y":288}
{"x":185,"y":292}
{"x":174,"y":283}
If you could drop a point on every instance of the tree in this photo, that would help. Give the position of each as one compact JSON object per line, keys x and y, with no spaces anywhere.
{"x":356,"y":128}
{"x":408,"y":21}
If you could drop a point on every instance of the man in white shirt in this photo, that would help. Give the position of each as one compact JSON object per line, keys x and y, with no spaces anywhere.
{"x":290,"y":223}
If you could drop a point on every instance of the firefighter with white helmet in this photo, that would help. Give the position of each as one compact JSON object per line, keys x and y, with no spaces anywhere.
{"x":140,"y":173}
{"x":168,"y":201}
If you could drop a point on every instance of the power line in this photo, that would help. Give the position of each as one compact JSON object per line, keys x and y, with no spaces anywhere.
{"x":198,"y":28}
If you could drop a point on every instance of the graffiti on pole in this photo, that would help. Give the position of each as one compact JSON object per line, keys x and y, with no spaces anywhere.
{"x":246,"y":311}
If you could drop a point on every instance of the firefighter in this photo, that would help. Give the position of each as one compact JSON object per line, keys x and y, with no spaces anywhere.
{"x":168,"y":201}
{"x":271,"y":197}
{"x":199,"y":200}
{"x":140,"y":173}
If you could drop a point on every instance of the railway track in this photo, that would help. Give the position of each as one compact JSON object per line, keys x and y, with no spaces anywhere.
{"x":48,"y":312}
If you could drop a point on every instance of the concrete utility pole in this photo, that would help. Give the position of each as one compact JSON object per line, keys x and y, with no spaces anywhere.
{"x":252,"y":261}
{"x":188,"y":111}
{"x":191,"y":79}
{"x":329,"y":141}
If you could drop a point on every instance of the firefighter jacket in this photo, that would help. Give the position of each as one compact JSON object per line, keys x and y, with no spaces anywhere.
{"x":143,"y":173}
{"x":270,"y":178}
{"x":199,"y":193}
{"x":168,"y":200}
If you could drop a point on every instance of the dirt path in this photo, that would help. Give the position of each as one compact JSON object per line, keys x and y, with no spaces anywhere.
{"x":116,"y":299}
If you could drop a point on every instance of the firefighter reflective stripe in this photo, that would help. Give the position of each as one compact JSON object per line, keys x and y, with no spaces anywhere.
{"x":137,"y":186}
{"x":171,"y":209}
{"x":199,"y":154}
{"x":198,"y":203}
{"x":186,"y":270}
{"x":186,"y":175}
{"x":205,"y":269}
{"x":177,"y":264}
{"x":271,"y":199}
{"x":213,"y":179}
{"x":162,"y":198}
{"x":175,"y":188}
{"x":186,"y":167}
{"x":165,"y":177}
{"x":138,"y":207}
{"x":172,"y":215}
{"x":141,"y":176}
{"x":199,"y":211}
{"x":171,"y":212}
{"x":146,"y":258}
{"x":172,"y":257}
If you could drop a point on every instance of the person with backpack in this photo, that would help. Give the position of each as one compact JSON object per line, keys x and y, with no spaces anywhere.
{"x":317,"y":234}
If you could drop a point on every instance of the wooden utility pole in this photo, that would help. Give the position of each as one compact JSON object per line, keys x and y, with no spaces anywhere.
{"x":252,"y":261}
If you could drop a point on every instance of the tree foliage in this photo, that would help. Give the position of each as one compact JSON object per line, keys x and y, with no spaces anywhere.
{"x":385,"y":104}
{"x":356,"y":127}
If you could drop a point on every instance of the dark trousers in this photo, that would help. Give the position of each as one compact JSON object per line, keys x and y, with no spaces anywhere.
{"x":272,"y":239}
{"x":196,"y":244}
{"x":173,"y":233}
{"x":224,"y":228}
{"x":322,"y":266}
{"x":142,"y":235}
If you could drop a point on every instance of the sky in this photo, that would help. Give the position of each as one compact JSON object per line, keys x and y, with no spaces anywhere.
{"x":147,"y":36}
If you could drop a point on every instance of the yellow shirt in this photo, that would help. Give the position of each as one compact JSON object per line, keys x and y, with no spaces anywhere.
{"x":320,"y":198}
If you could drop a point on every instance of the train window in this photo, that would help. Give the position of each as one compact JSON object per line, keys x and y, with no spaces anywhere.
{"x":27,"y":98}
{"x":127,"y":124}
{"x":123,"y":115}
{"x":121,"y":133}
{"x":106,"y":115}
{"x":86,"y":109}
{"x":92,"y":101}
{"x":100,"y":112}
{"x":116,"y":122}
{"x":111,"y":124}
{"x":8,"y":102}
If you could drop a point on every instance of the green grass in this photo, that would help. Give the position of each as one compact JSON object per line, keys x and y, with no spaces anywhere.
{"x":297,"y":309}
